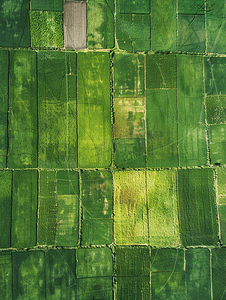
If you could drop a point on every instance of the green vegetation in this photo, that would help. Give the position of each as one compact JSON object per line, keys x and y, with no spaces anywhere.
{"x":94,"y":130}
{"x":6,"y":275}
{"x":163,"y":25}
{"x":133,"y":288}
{"x":60,"y":274}
{"x":95,"y":288}
{"x":130,"y":209}
{"x":191,"y":113}
{"x":167,"y":274}
{"x":197,"y":207}
{"x":161,"y":71}
{"x":132,"y":31}
{"x":131,"y":261}
{"x":28,"y":275}
{"x":127,"y":66}
{"x":94,"y":262}
{"x":4,"y":62}
{"x":162,"y":208}
{"x":129,"y":132}
{"x":193,"y":7}
{"x":215,"y":26}
{"x":55,"y":5}
{"x":191,"y":33}
{"x":5,"y":208}
{"x":46,"y":29}
{"x":217,"y":145}
{"x":215,"y":68}
{"x":47,"y":209}
{"x":14,"y":23}
{"x":218,"y":272}
{"x":57,"y":109}
{"x":22,"y":151}
{"x":162,"y":139}
{"x":216,"y":109}
{"x":100,"y":29}
{"x":97,"y":222}
{"x":24,"y":208}
{"x":134,"y":7}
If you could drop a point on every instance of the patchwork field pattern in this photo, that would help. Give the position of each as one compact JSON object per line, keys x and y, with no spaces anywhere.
{"x":112,"y":149}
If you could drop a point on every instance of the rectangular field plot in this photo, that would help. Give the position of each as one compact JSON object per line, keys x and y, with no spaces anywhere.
{"x":191,"y":113}
{"x":5,"y":208}
{"x":94,"y":113}
{"x":128,"y":67}
{"x":130,"y":208}
{"x":100,"y":31}
{"x":28,"y":275}
{"x":14,"y":24}
{"x":215,"y":26}
{"x":95,"y":288}
{"x":6,"y":275}
{"x":167,"y":274}
{"x":22,"y":101}
{"x":217,"y":145}
{"x":24,"y":208}
{"x":216,"y":109}
{"x":4,"y":97}
{"x":161,"y":71}
{"x":198,"y":271}
{"x":55,"y":5}
{"x":47,"y":208}
{"x":133,"y":31}
{"x":162,"y":208}
{"x":163,"y":25}
{"x":129,"y":132}
{"x":133,"y":288}
{"x":58,"y":208}
{"x":60,"y":274}
{"x":218,"y":272}
{"x":197,"y":207}
{"x":221,"y":201}
{"x":97,"y":222}
{"x":57,"y":110}
{"x":162,"y":139}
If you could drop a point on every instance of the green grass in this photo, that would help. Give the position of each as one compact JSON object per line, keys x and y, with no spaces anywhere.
{"x":162,"y":208}
{"x":130,"y":209}
{"x":197,"y":207}
{"x":97,"y":222}
{"x":95,"y":288}
{"x":134,"y":7}
{"x":24,"y":208}
{"x":94,"y":130}
{"x":162,"y":142}
{"x":127,"y":66}
{"x":217,"y":146}
{"x":218,"y":272}
{"x":193,"y":7}
{"x":28,"y":275}
{"x":4,"y":81}
{"x":54,"y":5}
{"x":46,"y":29}
{"x":60,"y":274}
{"x":22,"y":151}
{"x":216,"y":109}
{"x":191,"y":113}
{"x":100,"y":31}
{"x":198,"y":271}
{"x":163,"y":25}
{"x":5,"y":207}
{"x":6,"y":275}
{"x":57,"y":109}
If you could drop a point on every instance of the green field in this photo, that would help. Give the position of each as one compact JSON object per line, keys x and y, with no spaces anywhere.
{"x":5,"y":208}
{"x":54,"y":5}
{"x":218,"y":273}
{"x":57,"y":109}
{"x":6,"y":275}
{"x":130,"y":208}
{"x":197,"y":207}
{"x":163,"y":25}
{"x":162,"y":208}
{"x":22,"y":132}
{"x":46,"y":29}
{"x":191,"y":113}
{"x":100,"y":31}
{"x":94,"y":131}
{"x":97,"y":222}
